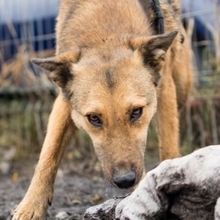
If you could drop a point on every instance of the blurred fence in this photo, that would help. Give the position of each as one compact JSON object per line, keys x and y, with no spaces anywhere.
{"x":26,"y":95}
{"x":200,"y":122}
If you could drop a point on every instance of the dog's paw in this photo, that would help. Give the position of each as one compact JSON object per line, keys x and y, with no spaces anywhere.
{"x":28,"y":212}
{"x":31,"y":209}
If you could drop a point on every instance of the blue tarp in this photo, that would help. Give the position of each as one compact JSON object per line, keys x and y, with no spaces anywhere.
{"x":203,"y":11}
{"x":37,"y":17}
{"x":27,"y":10}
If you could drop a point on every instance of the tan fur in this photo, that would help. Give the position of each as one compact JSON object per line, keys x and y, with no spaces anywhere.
{"x":110,"y":64}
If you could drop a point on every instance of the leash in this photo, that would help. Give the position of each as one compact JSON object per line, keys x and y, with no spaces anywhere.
{"x":159,"y":16}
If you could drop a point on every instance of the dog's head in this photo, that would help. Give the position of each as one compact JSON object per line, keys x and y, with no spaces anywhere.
{"x":113,"y":94}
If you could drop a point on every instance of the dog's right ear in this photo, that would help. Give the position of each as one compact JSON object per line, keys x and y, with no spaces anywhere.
{"x":59,"y":66}
{"x":154,"y":48}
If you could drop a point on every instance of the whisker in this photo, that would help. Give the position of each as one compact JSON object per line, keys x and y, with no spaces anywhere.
{"x":112,"y":191}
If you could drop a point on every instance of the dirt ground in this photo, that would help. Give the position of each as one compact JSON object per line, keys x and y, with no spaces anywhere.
{"x":74,"y":191}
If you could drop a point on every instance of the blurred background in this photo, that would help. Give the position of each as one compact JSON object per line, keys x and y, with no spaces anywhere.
{"x":27,"y":95}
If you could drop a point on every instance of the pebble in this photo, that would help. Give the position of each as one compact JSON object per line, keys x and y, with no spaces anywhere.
{"x":5,"y":167}
{"x":62,"y":215}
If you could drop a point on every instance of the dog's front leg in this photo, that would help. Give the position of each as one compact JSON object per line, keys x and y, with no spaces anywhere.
{"x":40,"y":192}
{"x":167,"y":120}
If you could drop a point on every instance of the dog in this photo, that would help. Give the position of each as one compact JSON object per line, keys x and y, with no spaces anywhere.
{"x":115,"y":73}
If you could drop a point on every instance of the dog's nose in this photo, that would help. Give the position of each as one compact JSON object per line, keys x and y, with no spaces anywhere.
{"x":124,"y":181}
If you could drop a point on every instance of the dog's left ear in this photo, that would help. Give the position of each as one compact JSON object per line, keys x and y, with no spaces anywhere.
{"x":59,"y":66}
{"x":153,"y":49}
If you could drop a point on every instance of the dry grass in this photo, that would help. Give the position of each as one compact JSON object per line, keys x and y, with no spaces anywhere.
{"x":20,"y":72}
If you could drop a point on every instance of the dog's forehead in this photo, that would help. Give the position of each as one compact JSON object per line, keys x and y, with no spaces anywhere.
{"x":104,"y":54}
{"x":109,"y":65}
{"x":120,"y":87}
{"x":113,"y":76}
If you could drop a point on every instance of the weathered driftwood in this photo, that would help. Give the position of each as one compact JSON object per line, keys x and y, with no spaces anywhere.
{"x":185,"y":188}
{"x":217,"y":210}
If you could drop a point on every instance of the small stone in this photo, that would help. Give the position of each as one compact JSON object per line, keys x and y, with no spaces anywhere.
{"x":9,"y":155}
{"x":60,"y":173}
{"x":5,"y":167}
{"x":62,"y":215}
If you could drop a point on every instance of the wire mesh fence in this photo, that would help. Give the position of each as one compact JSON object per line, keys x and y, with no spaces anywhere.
{"x":27,"y":95}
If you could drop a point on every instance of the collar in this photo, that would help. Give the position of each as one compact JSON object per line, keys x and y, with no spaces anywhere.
{"x":159,"y":16}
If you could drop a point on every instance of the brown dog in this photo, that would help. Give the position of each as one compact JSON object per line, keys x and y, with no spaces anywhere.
{"x":114,"y":75}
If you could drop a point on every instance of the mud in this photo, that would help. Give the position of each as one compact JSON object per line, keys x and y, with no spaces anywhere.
{"x":74,"y":192}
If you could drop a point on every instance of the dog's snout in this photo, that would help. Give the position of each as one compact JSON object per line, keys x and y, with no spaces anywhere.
{"x":124,"y":181}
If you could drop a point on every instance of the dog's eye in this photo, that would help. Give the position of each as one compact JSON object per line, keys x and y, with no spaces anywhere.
{"x":136,"y":114}
{"x":94,"y":120}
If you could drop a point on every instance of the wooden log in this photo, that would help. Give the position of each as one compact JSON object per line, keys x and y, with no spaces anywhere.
{"x":182,"y":188}
{"x":103,"y":211}
{"x":217,"y":210}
